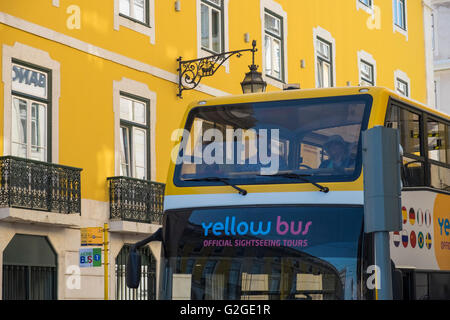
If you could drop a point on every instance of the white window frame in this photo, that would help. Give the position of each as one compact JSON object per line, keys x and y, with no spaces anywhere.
{"x":366,"y":8}
{"x":366,"y":57}
{"x":321,"y":33}
{"x":148,"y":30}
{"x":220,"y":11}
{"x":400,"y":75}
{"x":40,"y":58}
{"x":29,"y":136}
{"x":132,"y":14}
{"x":397,"y":28}
{"x":132,"y":127}
{"x":138,"y":89}
{"x":276,"y":8}
{"x":366,"y":81}
{"x":204,"y":53}
{"x":274,"y":38}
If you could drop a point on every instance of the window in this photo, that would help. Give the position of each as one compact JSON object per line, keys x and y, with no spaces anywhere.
{"x":439,"y":153}
{"x":402,"y":87}
{"x":30,"y":111}
{"x":273,"y":45}
{"x":426,"y":156}
{"x":136,"y":15}
{"x":327,"y":269}
{"x":135,"y":9}
{"x":400,"y":13}
{"x":134,"y":137}
{"x":408,"y":124}
{"x":236,"y":146}
{"x":212,"y":37}
{"x":27,"y":275}
{"x":366,"y":2}
{"x":324,"y":63}
{"x":432,"y":286}
{"x":366,"y":73}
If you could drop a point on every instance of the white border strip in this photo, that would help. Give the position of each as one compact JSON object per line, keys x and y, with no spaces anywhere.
{"x":88,"y":48}
{"x":272,"y":198}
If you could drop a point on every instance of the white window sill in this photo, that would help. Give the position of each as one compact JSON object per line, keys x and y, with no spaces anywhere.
{"x":401,"y":31}
{"x":362,"y":6}
{"x":273,"y":82}
{"x":148,"y":31}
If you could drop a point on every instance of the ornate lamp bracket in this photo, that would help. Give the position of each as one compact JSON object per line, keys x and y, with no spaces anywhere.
{"x":191,"y":72}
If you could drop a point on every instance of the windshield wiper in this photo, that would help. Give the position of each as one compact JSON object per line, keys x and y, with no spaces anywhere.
{"x":223,"y":180}
{"x":299,"y":177}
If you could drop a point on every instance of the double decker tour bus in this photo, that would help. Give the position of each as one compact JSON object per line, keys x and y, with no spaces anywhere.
{"x":265,"y":198}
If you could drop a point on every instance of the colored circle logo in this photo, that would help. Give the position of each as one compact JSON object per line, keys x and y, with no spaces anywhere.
{"x":420,"y":217}
{"x":420,"y":240}
{"x":427,"y":218}
{"x":413,"y":239}
{"x":396,"y":238}
{"x":412,"y":216}
{"x":404,"y":215}
{"x":405,"y":238}
{"x":428,"y":240}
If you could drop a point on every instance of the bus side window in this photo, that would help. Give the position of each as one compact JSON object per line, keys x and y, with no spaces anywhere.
{"x":438,"y":153}
{"x":408,"y":124}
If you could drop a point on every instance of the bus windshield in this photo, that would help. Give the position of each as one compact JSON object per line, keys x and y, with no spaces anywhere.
{"x":268,"y":142}
{"x":277,"y":252}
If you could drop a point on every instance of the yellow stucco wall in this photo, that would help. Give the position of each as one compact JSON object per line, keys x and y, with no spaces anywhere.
{"x":86,"y":119}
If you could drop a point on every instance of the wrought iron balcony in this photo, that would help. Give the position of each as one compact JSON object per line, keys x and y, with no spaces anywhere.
{"x":36,"y":185}
{"x":136,"y":200}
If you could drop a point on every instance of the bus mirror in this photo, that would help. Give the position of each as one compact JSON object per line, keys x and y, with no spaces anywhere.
{"x":400,"y":149}
{"x":133,"y":269}
{"x":397,"y":284}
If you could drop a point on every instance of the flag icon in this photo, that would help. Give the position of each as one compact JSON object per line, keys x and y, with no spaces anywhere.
{"x":405,"y":238}
{"x":412,"y":216}
{"x":428,"y":240}
{"x":413,"y":239}
{"x":404,"y":215}
{"x":396,"y":238}
{"x":428,"y":218}
{"x":420,"y":240}
{"x":419,"y":217}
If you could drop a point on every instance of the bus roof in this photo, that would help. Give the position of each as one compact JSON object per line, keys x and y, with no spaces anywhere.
{"x":314,"y":93}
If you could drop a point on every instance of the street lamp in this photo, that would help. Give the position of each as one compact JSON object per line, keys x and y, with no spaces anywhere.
{"x":253,"y":81}
{"x":191,"y":72}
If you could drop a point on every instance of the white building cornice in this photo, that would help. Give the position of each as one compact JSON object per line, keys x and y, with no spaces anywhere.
{"x":99,"y":52}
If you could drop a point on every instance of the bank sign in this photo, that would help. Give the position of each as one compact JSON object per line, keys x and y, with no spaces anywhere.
{"x":90,"y":258}
{"x":29,"y":81}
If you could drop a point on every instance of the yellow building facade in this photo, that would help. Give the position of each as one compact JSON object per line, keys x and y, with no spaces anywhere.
{"x":93,"y":85}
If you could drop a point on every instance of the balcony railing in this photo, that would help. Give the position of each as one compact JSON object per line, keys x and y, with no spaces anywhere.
{"x":136,"y":200}
{"x":36,"y":185}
